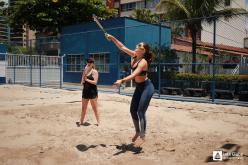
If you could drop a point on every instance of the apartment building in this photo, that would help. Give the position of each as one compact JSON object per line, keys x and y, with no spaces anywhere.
{"x":19,"y":36}
{"x":127,"y":7}
{"x":4,"y":30}
{"x":231,"y":32}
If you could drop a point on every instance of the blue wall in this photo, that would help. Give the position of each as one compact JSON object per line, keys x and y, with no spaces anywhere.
{"x":87,"y":38}
{"x":3,"y":50}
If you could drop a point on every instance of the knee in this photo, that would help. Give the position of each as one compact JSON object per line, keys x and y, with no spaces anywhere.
{"x":140,"y":114}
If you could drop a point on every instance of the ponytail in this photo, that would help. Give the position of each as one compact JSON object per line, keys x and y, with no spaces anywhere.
{"x":148,"y":56}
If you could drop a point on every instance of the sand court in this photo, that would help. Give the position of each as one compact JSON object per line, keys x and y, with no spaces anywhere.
{"x":38,"y":126}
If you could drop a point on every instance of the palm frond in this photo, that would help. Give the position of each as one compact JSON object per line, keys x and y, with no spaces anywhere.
{"x":227,"y":13}
{"x":166,"y":4}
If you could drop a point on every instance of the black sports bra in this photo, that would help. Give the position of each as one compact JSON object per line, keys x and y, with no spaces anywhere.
{"x":143,"y":73}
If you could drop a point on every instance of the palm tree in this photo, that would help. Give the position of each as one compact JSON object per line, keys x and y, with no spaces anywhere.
{"x":189,"y":10}
{"x":145,"y":15}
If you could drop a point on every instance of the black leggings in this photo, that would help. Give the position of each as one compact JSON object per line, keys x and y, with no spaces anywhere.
{"x":139,"y":104}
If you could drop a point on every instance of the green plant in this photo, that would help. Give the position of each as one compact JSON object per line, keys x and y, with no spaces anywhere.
{"x":207,"y":77}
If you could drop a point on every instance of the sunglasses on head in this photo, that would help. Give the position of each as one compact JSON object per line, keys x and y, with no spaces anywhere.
{"x":140,"y":46}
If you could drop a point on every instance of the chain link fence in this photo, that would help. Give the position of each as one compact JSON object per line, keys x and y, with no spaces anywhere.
{"x":214,"y":69}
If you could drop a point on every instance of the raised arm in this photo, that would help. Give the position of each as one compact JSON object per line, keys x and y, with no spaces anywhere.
{"x":120,"y":45}
{"x":82,"y":79}
{"x":95,"y":76}
{"x":84,"y":73}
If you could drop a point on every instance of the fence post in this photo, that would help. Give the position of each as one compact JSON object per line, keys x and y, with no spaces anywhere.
{"x":118,"y":69}
{"x":213,"y":63}
{"x":6,"y":65}
{"x":159,"y":56}
{"x":61,"y":70}
{"x":40,"y":70}
{"x":31,"y":65}
{"x":14,"y":68}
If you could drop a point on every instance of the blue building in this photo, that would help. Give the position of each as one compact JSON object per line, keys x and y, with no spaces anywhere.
{"x":78,"y":42}
{"x":2,"y":63}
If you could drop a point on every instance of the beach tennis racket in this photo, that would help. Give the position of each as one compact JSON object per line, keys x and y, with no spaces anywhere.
{"x":100,"y":26}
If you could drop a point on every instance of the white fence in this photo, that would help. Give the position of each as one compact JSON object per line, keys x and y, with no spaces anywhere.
{"x":2,"y":68}
{"x":34,"y":70}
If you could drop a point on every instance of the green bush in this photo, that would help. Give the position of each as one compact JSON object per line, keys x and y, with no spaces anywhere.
{"x":207,"y":77}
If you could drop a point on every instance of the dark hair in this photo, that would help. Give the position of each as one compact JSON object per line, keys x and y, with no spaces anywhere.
{"x":148,"y":56}
{"x":90,"y":60}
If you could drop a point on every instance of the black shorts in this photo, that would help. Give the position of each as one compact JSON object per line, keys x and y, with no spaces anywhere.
{"x":89,"y":92}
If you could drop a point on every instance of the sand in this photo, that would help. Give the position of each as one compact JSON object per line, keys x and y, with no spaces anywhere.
{"x":37,"y":127}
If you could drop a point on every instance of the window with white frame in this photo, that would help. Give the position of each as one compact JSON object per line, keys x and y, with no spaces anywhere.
{"x":140,"y":5}
{"x":128,"y":6}
{"x":102,"y":62}
{"x":74,"y":62}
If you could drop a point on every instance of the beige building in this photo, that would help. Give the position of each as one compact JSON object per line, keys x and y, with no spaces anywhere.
{"x":128,"y":6}
{"x":230,"y":32}
{"x":16,"y":36}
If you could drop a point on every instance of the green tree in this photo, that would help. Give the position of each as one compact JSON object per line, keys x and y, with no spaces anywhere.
{"x":145,"y":15}
{"x":192,"y":9}
{"x":3,"y":9}
{"x":50,"y":15}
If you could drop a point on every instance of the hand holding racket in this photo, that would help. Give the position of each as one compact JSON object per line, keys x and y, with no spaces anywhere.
{"x":101,"y":27}
{"x":108,"y":37}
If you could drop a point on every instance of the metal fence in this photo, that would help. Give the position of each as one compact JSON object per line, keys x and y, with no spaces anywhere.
{"x":217,"y":71}
{"x":2,"y":68}
{"x":33,"y":70}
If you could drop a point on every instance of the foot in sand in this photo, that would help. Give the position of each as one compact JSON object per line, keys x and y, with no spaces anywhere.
{"x":139,"y":142}
{"x":84,"y":124}
{"x":78,"y":124}
{"x":135,"y":137}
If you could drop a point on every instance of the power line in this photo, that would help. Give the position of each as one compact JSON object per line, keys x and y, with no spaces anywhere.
{"x":224,"y":37}
{"x":232,"y":26}
{"x":240,"y":7}
{"x":236,"y":4}
{"x":203,"y":18}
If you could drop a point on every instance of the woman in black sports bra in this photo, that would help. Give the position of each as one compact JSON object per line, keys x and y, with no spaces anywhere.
{"x":141,"y":59}
{"x":89,"y":82}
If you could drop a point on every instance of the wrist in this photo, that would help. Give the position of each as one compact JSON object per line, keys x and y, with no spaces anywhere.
{"x":134,"y":57}
{"x":123,"y":81}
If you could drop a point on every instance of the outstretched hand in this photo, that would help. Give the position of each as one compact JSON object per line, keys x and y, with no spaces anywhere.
{"x":117,"y":83}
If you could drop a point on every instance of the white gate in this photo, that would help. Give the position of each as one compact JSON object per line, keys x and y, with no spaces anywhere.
{"x":34,"y":70}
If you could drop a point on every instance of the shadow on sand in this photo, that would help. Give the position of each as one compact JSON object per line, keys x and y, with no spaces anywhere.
{"x":227,"y":149}
{"x":83,"y":148}
{"x":122,"y":148}
{"x":84,"y":124}
{"x":128,"y":147}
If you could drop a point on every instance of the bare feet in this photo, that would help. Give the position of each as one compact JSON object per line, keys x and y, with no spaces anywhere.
{"x":139,"y":142}
{"x":135,"y":137}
